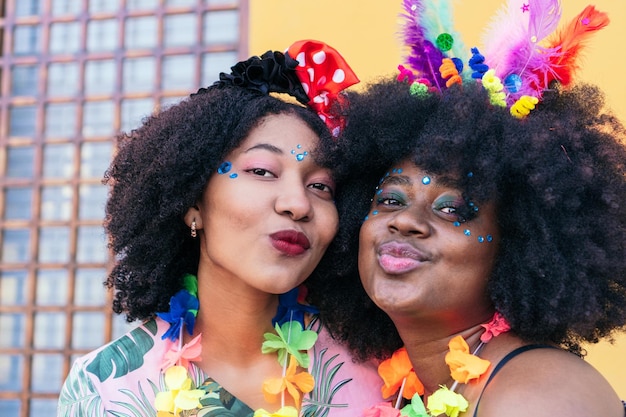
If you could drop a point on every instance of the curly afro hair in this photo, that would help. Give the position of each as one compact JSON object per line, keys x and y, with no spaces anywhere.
{"x":160,"y":171}
{"x":558,"y":179}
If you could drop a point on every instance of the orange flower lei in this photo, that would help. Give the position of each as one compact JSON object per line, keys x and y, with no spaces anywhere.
{"x":398,"y":376}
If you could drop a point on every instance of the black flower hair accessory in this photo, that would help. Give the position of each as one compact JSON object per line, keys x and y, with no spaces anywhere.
{"x":272,"y":72}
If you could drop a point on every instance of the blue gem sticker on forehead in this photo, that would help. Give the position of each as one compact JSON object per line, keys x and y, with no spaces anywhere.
{"x":426,"y":180}
{"x":299,"y":156}
{"x":224,"y":167}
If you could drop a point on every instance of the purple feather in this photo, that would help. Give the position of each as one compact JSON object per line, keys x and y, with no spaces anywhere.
{"x":423,"y":57}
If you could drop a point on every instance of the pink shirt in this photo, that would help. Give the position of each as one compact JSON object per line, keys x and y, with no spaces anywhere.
{"x":123,"y":377}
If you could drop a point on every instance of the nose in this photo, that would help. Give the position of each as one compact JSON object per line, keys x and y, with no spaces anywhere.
{"x":294,"y":202}
{"x":409,"y":223}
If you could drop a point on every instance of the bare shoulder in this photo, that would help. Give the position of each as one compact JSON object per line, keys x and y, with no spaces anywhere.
{"x":549,"y":382}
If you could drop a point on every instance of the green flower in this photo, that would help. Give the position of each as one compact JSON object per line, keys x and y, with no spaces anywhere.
{"x":290,"y":338}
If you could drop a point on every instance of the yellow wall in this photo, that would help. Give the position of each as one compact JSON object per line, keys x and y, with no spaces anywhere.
{"x":366,"y":33}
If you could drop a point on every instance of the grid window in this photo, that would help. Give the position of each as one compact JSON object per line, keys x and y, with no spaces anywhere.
{"x":49,"y":330}
{"x":18,"y":203}
{"x":98,"y":119}
{"x":12,"y":330}
{"x":80,"y":72}
{"x":15,"y":244}
{"x":100,"y":77}
{"x":215,"y":62}
{"x":65,"y":7}
{"x":218,"y":27}
{"x":56,"y":202}
{"x":180,"y":3}
{"x":89,"y":287}
{"x":54,"y":244}
{"x":141,"y":32}
{"x":13,"y":288}
{"x":22,"y":120}
{"x":141,"y":4}
{"x":103,"y":6}
{"x":94,"y":159}
{"x":139,"y":74}
{"x":87,"y":330}
{"x":57,"y":161}
{"x":63,"y":79}
{"x":52,"y":287}
{"x":91,"y":246}
{"x":133,"y":111}
{"x":28,"y":7}
{"x":61,"y":120}
{"x":47,"y":372}
{"x":26,"y":40}
{"x":178,"y":73}
{"x":102,"y":35}
{"x":24,"y":80}
{"x":92,"y":201}
{"x":179,"y":30}
{"x":20,"y":162}
{"x":65,"y":38}
{"x":11,"y":376}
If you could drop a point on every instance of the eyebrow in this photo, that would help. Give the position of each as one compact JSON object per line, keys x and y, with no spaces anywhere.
{"x":265,"y":146}
{"x":402,"y":180}
{"x":406,"y":181}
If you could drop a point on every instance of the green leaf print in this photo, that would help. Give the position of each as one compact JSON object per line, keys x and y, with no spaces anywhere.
{"x":320,"y":400}
{"x":79,"y":397}
{"x":125,"y":354}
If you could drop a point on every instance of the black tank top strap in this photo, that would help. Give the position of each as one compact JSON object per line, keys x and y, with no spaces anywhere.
{"x":504,"y":361}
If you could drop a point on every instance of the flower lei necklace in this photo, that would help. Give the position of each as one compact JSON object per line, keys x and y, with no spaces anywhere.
{"x":398,"y":376}
{"x":291,"y":343}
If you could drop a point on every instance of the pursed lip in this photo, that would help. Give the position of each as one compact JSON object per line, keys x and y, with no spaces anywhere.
{"x":397,"y":258}
{"x":290,"y":242}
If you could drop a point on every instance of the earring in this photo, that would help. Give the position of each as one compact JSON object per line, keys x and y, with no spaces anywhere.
{"x":193,"y":229}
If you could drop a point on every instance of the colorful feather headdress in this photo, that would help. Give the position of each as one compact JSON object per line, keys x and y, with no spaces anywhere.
{"x":524,"y":50}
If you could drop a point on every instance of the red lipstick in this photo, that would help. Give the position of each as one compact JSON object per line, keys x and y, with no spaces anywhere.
{"x":290,"y":242}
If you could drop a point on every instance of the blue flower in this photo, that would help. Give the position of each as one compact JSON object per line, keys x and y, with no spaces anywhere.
{"x":183,"y":311}
{"x":290,"y":310}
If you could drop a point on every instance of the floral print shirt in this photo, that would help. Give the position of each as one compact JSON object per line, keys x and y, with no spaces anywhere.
{"x":122,"y":378}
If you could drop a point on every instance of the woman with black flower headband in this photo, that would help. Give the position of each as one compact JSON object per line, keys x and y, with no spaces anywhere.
{"x":220,"y":207}
{"x":488,"y":239}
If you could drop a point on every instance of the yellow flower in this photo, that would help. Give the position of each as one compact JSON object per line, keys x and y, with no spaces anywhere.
{"x":179,"y":396}
{"x":293,"y":382}
{"x":283,"y":412}
{"x":463,"y":365}
{"x":445,"y":401}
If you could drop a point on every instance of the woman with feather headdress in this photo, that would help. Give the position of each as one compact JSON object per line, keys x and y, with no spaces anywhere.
{"x":490,"y":205}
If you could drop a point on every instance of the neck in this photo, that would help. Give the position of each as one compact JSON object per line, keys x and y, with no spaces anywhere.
{"x":427,"y":347}
{"x":233,"y":317}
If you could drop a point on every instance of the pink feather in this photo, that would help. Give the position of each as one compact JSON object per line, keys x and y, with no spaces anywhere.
{"x":524,"y":56}
{"x":507,"y":27}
